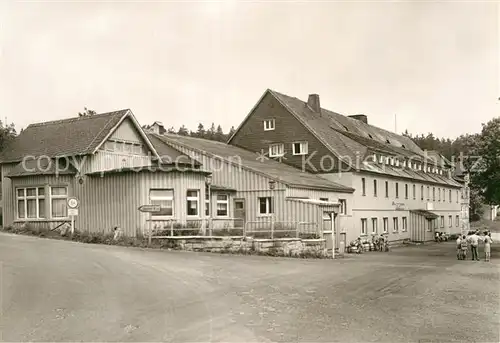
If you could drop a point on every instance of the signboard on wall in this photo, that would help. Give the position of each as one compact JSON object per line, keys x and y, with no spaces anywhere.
{"x":72,"y":212}
{"x":399,"y":206}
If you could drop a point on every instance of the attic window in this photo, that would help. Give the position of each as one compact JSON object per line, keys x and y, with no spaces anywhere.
{"x":370,"y":136}
{"x":388,"y":141}
{"x":381,"y":159}
{"x":403,"y":146}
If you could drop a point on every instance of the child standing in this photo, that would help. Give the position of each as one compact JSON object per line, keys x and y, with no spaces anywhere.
{"x":487,"y":246}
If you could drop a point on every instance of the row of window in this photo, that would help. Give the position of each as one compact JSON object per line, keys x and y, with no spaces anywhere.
{"x":441,"y":192}
{"x":278,"y":149}
{"x":417,"y":166}
{"x":31,"y":202}
{"x":165,"y":198}
{"x":385,"y":220}
{"x":395,"y":224}
{"x":123,"y":147}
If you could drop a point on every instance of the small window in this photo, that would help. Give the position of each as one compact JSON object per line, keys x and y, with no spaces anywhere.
{"x":442,"y":221}
{"x":403,"y":146}
{"x":450,"y":221}
{"x":59,"y":196}
{"x":30,"y":203}
{"x":421,"y":192}
{"x":343,"y":206}
{"x":269,"y":124}
{"x":387,"y":189}
{"x":276,"y":150}
{"x":323,"y":199}
{"x":386,"y":224}
{"x":397,"y":190}
{"x":458,"y":196}
{"x":439,"y":194}
{"x":164,"y":198}
{"x":363,"y":226}
{"x":450,"y":195}
{"x":299,"y":148}
{"x":374,"y":188}
{"x":457,"y":220}
{"x":193,"y":202}
{"x":374,"y":226}
{"x":406,"y":191}
{"x":363,"y":186}
{"x":395,"y":222}
{"x":428,"y":193}
{"x":404,"y":224}
{"x":265,"y":206}
{"x":433,"y":194}
{"x":222,"y":205}
{"x":414,"y":192}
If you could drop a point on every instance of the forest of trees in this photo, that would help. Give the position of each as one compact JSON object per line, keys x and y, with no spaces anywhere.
{"x":215,"y":133}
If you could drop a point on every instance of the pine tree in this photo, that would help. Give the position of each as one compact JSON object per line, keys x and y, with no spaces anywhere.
{"x":200,"y":133}
{"x":183,"y":131}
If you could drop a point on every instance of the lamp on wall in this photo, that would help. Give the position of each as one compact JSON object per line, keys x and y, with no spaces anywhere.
{"x":272,"y":184}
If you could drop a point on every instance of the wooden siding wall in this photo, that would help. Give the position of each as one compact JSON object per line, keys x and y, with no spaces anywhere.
{"x":127,"y":132}
{"x":107,"y":160}
{"x":111,"y":200}
{"x":419,"y":228}
{"x":229,"y":175}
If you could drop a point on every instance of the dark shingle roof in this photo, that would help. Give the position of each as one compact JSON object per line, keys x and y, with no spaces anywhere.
{"x":351,"y":139}
{"x":168,"y":154}
{"x":249,"y":160}
{"x":67,"y":137}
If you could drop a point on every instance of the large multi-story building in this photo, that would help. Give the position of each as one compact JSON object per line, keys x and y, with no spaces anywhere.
{"x":400,"y":190}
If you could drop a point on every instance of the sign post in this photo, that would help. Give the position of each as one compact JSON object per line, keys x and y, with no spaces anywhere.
{"x":73,"y":205}
{"x":150,"y":209}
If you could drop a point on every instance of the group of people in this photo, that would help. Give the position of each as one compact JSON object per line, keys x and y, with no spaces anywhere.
{"x":471,"y":242}
{"x":380,"y":243}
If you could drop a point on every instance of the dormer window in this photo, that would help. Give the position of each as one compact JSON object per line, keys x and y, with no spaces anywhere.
{"x":381,"y":159}
{"x":388,"y":141}
{"x":269,"y":124}
{"x":370,"y":136}
{"x":392,"y":161}
{"x":397,"y":163}
{"x":403,"y":146}
{"x":387,"y":160}
{"x":404,"y":164}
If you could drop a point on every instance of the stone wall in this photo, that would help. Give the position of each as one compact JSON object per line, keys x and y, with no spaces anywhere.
{"x":292,"y":247}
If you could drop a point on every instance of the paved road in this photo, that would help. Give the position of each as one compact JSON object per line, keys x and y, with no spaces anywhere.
{"x":65,"y":291}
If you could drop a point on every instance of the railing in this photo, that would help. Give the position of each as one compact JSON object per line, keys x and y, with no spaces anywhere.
{"x":195,"y":227}
{"x":281,"y":229}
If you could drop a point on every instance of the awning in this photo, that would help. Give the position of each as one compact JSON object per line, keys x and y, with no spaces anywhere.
{"x":216,"y":188}
{"x":425,"y":213}
{"x":42,"y":166}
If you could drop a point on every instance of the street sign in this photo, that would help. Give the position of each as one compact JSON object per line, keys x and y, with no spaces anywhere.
{"x":150,"y":208}
{"x":73,"y":202}
{"x":72,"y":212}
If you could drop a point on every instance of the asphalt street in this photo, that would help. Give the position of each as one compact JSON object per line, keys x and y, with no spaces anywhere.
{"x":64,"y":291}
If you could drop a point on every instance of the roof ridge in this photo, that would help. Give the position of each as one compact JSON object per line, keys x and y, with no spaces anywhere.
{"x":74,"y":119}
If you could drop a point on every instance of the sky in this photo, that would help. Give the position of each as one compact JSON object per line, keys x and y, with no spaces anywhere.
{"x":434,"y":66}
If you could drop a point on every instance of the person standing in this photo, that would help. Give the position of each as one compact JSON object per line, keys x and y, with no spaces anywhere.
{"x":487,"y":246}
{"x":459,"y":248}
{"x":474,"y":241}
{"x":464,"y":247}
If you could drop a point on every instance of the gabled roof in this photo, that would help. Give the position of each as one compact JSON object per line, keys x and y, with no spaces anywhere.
{"x":168,"y":154}
{"x":351,"y":139}
{"x":68,"y":137}
{"x":251,"y":161}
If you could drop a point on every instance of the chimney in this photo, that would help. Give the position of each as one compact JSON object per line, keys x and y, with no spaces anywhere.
{"x":360,"y":117}
{"x":313,"y":103}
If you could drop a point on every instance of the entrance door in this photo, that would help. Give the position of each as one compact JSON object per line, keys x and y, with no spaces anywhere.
{"x":239,"y":213}
{"x":329,"y":232}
